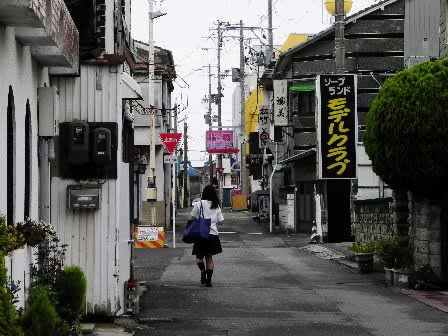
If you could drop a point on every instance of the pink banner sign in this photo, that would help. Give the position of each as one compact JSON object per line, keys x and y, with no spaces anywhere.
{"x":220,"y":142}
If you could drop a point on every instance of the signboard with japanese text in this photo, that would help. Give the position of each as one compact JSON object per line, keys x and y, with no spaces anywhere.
{"x":169,"y":159}
{"x":220,"y":142}
{"x":337,"y":126}
{"x":146,"y":237}
{"x":280,"y":102}
{"x":264,"y":126}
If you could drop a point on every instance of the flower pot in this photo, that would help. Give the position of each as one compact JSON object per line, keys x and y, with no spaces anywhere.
{"x":388,"y":276}
{"x":395,"y":274}
{"x":403,"y":279}
{"x":365,"y":262}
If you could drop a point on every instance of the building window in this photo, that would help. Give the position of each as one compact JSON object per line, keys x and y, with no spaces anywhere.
{"x":10,"y":159}
{"x":28,"y":147}
{"x":302,"y":104}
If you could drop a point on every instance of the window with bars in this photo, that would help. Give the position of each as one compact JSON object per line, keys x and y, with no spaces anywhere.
{"x":302,"y":104}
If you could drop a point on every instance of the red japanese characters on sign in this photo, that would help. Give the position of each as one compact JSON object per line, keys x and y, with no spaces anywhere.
{"x":220,"y":142}
{"x":170,"y":141}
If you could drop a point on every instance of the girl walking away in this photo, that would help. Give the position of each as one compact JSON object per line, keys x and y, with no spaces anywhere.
{"x":206,"y":248}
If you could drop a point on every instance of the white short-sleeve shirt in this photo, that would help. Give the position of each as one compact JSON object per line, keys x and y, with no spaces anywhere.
{"x":214,"y":214}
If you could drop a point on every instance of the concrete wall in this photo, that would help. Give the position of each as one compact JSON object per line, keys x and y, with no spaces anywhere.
{"x":443,"y":28}
{"x":373,"y":219}
{"x":97,"y":240}
{"x":421,"y":28}
{"x":426,"y":234}
{"x":20,"y":71}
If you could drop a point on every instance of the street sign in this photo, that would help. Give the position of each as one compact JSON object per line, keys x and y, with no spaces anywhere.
{"x":169,"y":159}
{"x":170,"y":141}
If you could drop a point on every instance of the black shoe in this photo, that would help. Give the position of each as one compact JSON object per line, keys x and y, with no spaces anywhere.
{"x":203,"y":278}
{"x":208,"y":281}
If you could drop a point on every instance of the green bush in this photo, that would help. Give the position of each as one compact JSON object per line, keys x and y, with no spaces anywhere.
{"x":406,"y":136}
{"x":9,"y":320}
{"x":70,"y":289}
{"x":366,"y":247}
{"x":394,"y":252}
{"x":41,"y":318}
{"x":387,"y":251}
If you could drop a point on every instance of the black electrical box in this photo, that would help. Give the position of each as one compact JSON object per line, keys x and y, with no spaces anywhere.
{"x":78,"y":143}
{"x":83,"y":196}
{"x":101,"y":146}
{"x":88,"y":150}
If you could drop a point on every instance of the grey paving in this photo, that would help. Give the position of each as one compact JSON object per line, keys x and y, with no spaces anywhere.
{"x":271,"y":285}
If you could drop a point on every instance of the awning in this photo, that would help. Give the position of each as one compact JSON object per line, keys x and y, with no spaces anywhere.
{"x":299,"y":155}
{"x":302,"y":87}
{"x":130,"y":88}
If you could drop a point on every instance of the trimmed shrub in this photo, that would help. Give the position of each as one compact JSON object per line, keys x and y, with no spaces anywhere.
{"x":71,"y":285}
{"x":9,"y":320}
{"x":366,"y":247}
{"x":406,"y":136}
{"x":41,"y":318}
{"x":387,"y":250}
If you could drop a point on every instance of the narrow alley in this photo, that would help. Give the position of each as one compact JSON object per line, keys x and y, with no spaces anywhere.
{"x":269,"y":285}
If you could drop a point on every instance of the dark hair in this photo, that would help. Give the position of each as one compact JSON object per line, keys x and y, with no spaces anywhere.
{"x":209,"y":194}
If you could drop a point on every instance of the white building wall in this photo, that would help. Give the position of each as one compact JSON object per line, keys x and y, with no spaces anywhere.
{"x":25,"y":75}
{"x":370,"y":186}
{"x":97,"y":239}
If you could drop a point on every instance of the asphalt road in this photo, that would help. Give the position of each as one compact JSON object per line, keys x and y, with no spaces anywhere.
{"x":266,"y":284}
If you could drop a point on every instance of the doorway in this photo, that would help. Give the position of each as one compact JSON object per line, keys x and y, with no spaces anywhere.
{"x":338,"y":203}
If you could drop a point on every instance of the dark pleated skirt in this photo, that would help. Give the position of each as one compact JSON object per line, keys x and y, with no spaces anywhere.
{"x":207,"y":247}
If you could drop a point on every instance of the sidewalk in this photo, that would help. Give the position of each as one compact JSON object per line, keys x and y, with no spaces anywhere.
{"x":340,"y":253}
{"x":107,"y":329}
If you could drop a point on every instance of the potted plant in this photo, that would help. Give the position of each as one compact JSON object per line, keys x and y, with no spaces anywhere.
{"x":402,"y":269}
{"x":387,"y":252}
{"x":34,"y":232}
{"x":364,"y":255}
{"x":10,"y":237}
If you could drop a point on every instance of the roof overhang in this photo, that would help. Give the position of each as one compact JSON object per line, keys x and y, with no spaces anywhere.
{"x":130,"y":88}
{"x":299,"y":155}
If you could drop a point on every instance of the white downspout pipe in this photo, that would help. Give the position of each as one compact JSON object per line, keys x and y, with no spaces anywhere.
{"x":274,"y":169}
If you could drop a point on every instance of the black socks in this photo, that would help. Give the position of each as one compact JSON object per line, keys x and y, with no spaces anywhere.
{"x":202,"y":268}
{"x":208,"y":282}
{"x":206,"y":275}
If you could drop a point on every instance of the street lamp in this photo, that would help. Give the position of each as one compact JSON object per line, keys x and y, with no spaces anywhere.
{"x":330,"y":5}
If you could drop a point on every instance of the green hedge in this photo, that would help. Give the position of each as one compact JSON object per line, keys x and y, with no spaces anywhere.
{"x":406,"y":136}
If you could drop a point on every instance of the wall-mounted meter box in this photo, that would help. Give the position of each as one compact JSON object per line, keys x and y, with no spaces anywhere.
{"x":48,"y":111}
{"x":83,"y":196}
{"x":101,"y":146}
{"x":78,"y":143}
{"x":87,"y":150}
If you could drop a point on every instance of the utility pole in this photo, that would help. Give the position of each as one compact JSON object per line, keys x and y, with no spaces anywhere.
{"x":243,"y":169}
{"x":270,"y":46}
{"x":151,"y":191}
{"x":210,"y":158}
{"x":186,"y":203}
{"x":219,"y":86}
{"x":339,"y":41}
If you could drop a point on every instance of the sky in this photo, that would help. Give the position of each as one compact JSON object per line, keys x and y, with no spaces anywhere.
{"x":187,"y":30}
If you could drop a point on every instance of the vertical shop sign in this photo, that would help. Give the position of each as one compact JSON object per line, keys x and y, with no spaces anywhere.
{"x":264,"y":126}
{"x":337,"y":126}
{"x":280,"y":102}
